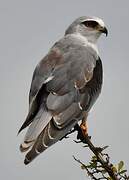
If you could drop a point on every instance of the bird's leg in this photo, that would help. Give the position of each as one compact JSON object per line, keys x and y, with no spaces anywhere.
{"x":83,"y":134}
{"x":84,"y":125}
{"x":82,"y":129}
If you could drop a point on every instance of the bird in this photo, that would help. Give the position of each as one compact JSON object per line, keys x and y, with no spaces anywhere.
{"x":65,"y":85}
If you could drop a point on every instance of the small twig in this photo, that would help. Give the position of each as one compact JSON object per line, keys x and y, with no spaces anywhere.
{"x":84,"y":166}
{"x":99,"y":156}
{"x":102,"y":160}
{"x":97,"y":151}
{"x":100,"y":166}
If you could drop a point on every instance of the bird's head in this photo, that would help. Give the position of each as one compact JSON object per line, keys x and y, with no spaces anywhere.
{"x":89,"y":27}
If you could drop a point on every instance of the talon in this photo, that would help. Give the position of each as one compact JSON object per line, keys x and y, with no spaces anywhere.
{"x":77,"y":141}
{"x":70,"y":132}
{"x":64,"y":137}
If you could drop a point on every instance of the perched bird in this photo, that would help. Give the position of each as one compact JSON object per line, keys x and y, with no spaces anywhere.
{"x":65,"y":85}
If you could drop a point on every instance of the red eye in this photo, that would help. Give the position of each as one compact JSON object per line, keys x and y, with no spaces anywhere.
{"x":90,"y":23}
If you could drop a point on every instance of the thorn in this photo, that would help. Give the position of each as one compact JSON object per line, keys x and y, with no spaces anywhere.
{"x":99,"y":149}
{"x":85,"y":146}
{"x":105,"y":147}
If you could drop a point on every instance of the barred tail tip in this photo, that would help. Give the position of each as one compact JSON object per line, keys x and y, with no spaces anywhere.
{"x":25,"y":146}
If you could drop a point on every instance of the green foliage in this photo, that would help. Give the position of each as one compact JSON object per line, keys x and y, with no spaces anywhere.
{"x":120,"y":166}
{"x":96,"y":170}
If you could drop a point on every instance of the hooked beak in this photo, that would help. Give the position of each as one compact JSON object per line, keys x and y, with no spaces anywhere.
{"x":103,"y":30}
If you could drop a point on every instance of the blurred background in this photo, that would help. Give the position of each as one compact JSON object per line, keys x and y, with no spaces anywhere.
{"x":28,"y":29}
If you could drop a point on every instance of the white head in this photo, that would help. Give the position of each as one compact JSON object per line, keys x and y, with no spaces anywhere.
{"x":89,"y":27}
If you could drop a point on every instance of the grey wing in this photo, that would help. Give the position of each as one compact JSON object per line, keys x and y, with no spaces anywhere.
{"x":41,"y":75}
{"x":55,"y":104}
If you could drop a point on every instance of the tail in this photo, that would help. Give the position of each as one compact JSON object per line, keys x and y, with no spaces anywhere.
{"x":39,"y":123}
{"x":49,"y":136}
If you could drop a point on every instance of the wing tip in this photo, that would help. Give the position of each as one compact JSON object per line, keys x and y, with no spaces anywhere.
{"x":19,"y":131}
{"x":21,"y":128}
{"x":26,"y":123}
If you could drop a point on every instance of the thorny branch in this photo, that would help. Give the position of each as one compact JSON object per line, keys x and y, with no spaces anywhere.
{"x":100,"y":166}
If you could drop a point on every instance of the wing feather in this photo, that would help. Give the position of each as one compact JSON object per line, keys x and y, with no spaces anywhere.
{"x":59,"y":94}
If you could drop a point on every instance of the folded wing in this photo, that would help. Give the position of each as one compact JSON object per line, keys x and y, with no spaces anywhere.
{"x":57,"y":90}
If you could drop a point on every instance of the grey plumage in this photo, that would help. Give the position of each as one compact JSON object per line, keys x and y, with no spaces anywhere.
{"x":66,"y":83}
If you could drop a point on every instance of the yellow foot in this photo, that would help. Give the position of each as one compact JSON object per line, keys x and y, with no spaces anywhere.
{"x":84,"y":128}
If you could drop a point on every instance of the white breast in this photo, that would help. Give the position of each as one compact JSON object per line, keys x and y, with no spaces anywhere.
{"x":86,"y":43}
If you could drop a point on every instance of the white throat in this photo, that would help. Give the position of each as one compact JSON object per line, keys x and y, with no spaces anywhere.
{"x":87,"y":42}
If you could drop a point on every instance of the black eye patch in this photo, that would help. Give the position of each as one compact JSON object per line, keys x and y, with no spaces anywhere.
{"x":90,"y":23}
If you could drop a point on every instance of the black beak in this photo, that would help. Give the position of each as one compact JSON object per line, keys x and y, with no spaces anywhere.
{"x":104,"y":30}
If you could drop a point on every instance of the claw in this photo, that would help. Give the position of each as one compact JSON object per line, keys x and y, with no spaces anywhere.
{"x":77,"y":141}
{"x":66,"y":136}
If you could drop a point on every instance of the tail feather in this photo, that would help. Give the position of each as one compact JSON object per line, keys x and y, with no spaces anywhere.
{"x":39,"y":123}
{"x":25,"y":146}
{"x":50,"y":135}
{"x":37,"y":148}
